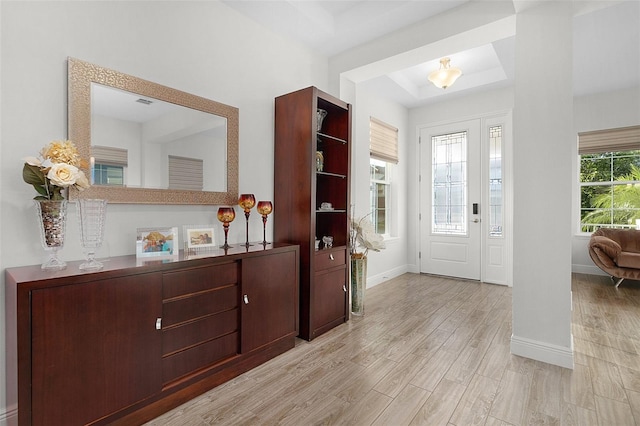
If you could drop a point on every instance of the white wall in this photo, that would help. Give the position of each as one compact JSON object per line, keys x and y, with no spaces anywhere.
{"x":543,"y":130}
{"x":391,"y":261}
{"x":204,"y":48}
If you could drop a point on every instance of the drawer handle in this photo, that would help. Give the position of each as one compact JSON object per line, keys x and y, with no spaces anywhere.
{"x":331,"y":256}
{"x":158,"y":323}
{"x":246,"y":299}
{"x":344,"y":288}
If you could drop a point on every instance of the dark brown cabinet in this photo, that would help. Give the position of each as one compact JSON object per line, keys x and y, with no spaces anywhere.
{"x":269,"y":308}
{"x":127,"y":343}
{"x":94,"y":348}
{"x":312,"y":184}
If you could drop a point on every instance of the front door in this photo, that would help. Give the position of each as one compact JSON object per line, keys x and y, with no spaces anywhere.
{"x":450,"y":200}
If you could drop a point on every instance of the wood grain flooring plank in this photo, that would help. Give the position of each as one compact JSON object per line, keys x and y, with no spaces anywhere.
{"x":511,"y":397}
{"x":577,"y":388}
{"x":440,"y":405}
{"x":403,"y":407}
{"x":476,"y":401}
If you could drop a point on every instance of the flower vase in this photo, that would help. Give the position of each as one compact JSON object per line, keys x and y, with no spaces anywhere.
{"x":358,"y":284}
{"x":52,"y":220}
{"x":92,"y":214}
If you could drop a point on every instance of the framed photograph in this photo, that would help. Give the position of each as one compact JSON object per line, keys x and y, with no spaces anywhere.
{"x":157,"y":242}
{"x":199,"y":237}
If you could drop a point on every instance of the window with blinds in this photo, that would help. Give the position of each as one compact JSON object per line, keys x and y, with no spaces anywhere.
{"x":185,"y":173}
{"x":108,"y":165}
{"x":109,"y":155}
{"x":383,"y":140}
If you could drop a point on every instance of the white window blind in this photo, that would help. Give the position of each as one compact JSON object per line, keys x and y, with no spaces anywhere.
{"x":185,"y":173}
{"x":109,"y":155}
{"x":609,"y":140}
{"x":383,"y":140}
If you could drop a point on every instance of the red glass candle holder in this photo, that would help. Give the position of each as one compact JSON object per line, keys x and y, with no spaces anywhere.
{"x":247,"y":201}
{"x":264,"y":208}
{"x":226,"y":216}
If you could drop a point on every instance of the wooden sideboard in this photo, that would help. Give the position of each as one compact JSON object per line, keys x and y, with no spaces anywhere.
{"x":139,"y":337}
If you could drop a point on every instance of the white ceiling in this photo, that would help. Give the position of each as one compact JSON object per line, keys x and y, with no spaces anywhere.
{"x":606,"y":43}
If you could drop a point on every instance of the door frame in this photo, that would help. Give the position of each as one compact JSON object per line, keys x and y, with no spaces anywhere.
{"x":491,"y":248}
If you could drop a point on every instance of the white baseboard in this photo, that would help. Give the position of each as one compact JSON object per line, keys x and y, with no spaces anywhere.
{"x":374,"y":280}
{"x":543,"y":351}
{"x":587,"y":269}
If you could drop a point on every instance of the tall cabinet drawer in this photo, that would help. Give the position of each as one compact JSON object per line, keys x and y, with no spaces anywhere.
{"x":330,"y":258}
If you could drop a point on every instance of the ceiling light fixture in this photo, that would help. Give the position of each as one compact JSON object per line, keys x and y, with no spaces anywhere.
{"x":445,"y":76}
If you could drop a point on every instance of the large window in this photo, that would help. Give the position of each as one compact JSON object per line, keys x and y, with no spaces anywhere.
{"x":609,"y":190}
{"x":609,"y":178}
{"x":383,"y":140}
{"x":379,"y":191}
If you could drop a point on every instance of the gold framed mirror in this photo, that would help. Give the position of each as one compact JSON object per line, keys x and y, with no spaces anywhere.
{"x":148,"y":143}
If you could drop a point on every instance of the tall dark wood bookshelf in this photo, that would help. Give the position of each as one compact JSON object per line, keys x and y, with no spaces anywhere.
{"x":300,"y":190}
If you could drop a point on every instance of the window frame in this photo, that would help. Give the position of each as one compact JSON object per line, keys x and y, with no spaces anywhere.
{"x":611,"y":183}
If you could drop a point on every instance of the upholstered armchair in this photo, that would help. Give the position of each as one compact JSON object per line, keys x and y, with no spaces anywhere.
{"x":616,"y":252}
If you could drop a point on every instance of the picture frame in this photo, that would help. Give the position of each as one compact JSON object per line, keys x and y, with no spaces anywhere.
{"x":157,"y":242}
{"x":199,"y":237}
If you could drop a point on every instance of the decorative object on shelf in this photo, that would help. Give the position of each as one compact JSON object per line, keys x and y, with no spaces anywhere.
{"x":326,"y":206}
{"x":327,"y":242}
{"x":198,"y":238}
{"x":319,"y":161}
{"x":226,"y":216}
{"x":157,"y":242}
{"x":362,"y":234}
{"x":445,"y":76}
{"x":56,"y":169}
{"x":247,"y":201}
{"x":52,"y":220}
{"x":321,"y":114}
{"x":264,"y":208}
{"x":92,"y":214}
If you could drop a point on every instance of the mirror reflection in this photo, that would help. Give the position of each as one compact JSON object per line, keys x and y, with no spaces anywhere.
{"x":149,"y":143}
{"x":140,"y":141}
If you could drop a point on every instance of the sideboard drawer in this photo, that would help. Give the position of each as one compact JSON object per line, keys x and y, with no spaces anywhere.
{"x":198,"y":357}
{"x":199,"y":305}
{"x":330,"y":258}
{"x":195,"y":332}
{"x":179,"y":283}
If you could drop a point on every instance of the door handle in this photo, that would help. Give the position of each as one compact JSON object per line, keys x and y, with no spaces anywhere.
{"x":476,"y":220}
{"x":246,"y":299}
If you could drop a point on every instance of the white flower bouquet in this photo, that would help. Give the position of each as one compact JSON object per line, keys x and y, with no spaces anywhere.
{"x":58,"y":167}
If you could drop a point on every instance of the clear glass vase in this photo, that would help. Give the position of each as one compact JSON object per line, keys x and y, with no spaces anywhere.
{"x":52,"y":221}
{"x":92,"y":215}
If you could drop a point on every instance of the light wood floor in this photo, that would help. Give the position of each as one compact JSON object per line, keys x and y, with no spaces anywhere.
{"x":435,"y":351}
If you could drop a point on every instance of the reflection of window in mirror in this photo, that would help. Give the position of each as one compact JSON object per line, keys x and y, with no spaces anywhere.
{"x":108,"y":165}
{"x":105,"y":174}
{"x":185,"y":173}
